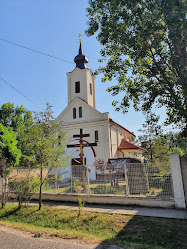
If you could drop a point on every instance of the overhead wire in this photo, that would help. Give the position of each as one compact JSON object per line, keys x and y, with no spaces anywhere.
{"x":36,"y":51}
{"x":20,"y":92}
{"x":32,"y":50}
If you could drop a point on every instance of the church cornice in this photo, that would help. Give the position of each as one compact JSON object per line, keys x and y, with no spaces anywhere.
{"x":90,"y":123}
{"x":120,"y":126}
{"x":87,"y":69}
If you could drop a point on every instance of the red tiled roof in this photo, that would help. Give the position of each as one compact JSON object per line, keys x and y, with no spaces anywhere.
{"x":125,"y":145}
{"x":123,"y":128}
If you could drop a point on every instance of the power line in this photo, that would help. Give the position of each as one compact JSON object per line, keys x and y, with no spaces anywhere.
{"x":36,"y":51}
{"x":20,"y":93}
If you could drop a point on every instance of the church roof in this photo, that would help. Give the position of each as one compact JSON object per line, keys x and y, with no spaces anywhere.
{"x":125,"y":145}
{"x":123,"y":128}
{"x":81,"y":60}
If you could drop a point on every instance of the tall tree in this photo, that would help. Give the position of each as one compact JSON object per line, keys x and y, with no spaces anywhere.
{"x":9,"y":156}
{"x":145,"y":50}
{"x":48,"y":142}
{"x":20,"y":120}
{"x":150,"y":132}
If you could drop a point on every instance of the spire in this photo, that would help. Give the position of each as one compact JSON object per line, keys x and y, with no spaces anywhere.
{"x":81,"y":59}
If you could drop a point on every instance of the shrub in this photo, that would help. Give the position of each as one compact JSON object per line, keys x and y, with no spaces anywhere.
{"x":24,"y":188}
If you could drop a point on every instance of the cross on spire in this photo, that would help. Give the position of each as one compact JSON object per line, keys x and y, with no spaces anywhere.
{"x":80,"y":38}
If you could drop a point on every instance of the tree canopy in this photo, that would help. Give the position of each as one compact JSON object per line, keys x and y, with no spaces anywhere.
{"x":9,"y":153}
{"x":9,"y":157}
{"x":145,"y":50}
{"x":16,"y":117}
{"x":20,"y":120}
{"x":158,"y":146}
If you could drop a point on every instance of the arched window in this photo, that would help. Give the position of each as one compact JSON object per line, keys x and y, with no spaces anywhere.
{"x":80,"y":112}
{"x":74,"y":113}
{"x":90,"y":88}
{"x":96,"y":137}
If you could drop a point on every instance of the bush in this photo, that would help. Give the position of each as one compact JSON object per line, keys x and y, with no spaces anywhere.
{"x":24,"y":188}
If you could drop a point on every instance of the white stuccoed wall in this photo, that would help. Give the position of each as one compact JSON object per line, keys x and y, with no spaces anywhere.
{"x":177,"y":181}
{"x":117,"y":134}
{"x":114,"y":140}
{"x":102,"y":149}
{"x":89,"y":114}
{"x":86,"y":78}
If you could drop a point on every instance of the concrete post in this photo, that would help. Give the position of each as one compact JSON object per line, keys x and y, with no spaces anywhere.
{"x":177,"y":181}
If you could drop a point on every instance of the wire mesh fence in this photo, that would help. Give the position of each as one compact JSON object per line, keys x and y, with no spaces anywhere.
{"x":126,"y":179}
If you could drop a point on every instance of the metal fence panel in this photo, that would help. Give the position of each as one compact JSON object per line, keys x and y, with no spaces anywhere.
{"x":126,"y":179}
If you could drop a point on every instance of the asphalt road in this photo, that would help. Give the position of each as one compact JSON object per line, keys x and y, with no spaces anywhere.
{"x":11,"y":238}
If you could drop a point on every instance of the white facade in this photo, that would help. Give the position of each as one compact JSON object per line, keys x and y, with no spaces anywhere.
{"x":110,"y":134}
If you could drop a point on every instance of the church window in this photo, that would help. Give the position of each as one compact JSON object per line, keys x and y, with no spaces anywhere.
{"x":90,"y":88}
{"x":77,"y":87}
{"x":74,"y":113}
{"x":96,"y":136}
{"x":80,"y":112}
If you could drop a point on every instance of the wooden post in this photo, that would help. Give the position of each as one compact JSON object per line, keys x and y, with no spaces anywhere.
{"x":82,"y":144}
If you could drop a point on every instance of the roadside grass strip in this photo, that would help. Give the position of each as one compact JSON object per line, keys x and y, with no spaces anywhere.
{"x":123,"y":230}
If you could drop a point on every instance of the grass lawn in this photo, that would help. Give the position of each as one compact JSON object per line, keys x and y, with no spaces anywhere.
{"x":123,"y":230}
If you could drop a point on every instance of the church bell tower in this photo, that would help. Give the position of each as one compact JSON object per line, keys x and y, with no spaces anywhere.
{"x":81,"y":81}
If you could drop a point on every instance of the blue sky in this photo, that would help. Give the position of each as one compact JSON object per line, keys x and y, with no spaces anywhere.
{"x":51,"y":27}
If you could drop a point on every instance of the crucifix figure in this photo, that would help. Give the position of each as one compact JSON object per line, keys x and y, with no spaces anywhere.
{"x":82,"y":145}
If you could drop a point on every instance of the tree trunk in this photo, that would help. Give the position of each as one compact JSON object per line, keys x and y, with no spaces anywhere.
{"x":40,"y":194}
{"x":4,"y":185}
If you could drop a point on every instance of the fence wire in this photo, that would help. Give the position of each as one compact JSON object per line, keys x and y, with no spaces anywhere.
{"x":126,"y":179}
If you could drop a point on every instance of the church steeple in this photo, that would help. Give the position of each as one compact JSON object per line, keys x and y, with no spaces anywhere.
{"x":81,"y":83}
{"x":81,"y":59}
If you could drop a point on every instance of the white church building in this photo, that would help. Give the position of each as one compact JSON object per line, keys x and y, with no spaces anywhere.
{"x":113,"y":140}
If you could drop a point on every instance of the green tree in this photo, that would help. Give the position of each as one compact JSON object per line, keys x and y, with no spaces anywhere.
{"x":176,"y":143}
{"x":20,"y":120}
{"x":15,"y":117}
{"x":158,"y":146}
{"x":9,"y":156}
{"x":145,"y":50}
{"x":151,"y":131}
{"x":48,"y":142}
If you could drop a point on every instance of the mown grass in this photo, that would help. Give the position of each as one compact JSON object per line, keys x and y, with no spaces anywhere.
{"x":134,"y":231}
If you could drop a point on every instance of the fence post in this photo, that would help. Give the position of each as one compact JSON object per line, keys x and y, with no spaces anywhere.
{"x":126,"y":179}
{"x":177,"y":181}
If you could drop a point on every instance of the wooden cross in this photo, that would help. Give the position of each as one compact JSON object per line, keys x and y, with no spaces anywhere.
{"x":82,"y":145}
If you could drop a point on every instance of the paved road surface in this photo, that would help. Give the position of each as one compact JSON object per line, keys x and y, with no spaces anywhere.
{"x":15,"y":239}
